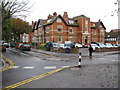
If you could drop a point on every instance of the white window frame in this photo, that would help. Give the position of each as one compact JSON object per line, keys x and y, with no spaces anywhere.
{"x":71,"y":38}
{"x":72,"y":29}
{"x":95,"y":39}
{"x":59,"y":38}
{"x":94,"y":32}
{"x":47,"y":39}
{"x":102,"y":32}
{"x":47,"y":29}
{"x":86,"y":25}
{"x":59,"y":20}
{"x":58,"y":28}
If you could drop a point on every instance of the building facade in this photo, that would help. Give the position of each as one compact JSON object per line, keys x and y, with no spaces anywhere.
{"x":57,"y":28}
{"x":113,"y":36}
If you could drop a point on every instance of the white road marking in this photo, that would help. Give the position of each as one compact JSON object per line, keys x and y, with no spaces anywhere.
{"x":28,"y":67}
{"x":24,"y":54}
{"x":15,"y":67}
{"x":113,"y":60}
{"x":64,"y":66}
{"x":101,"y":58}
{"x":50,"y":67}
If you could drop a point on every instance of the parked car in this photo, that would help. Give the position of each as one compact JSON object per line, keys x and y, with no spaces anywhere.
{"x":17,"y":46}
{"x":108,"y":45}
{"x":94,"y":43}
{"x":85,"y":45}
{"x":55,"y":45}
{"x":48,"y":46}
{"x":6,"y":44}
{"x":94,"y":46}
{"x":72,"y":45}
{"x":101,"y":45}
{"x":25,"y":47}
{"x":115,"y":45}
{"x":78,"y":45}
{"x":62,"y":46}
{"x":2,"y":48}
{"x":12,"y":44}
{"x":67,"y":46}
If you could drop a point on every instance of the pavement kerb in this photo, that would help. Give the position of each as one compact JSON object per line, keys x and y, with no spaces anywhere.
{"x":35,"y":78}
{"x":9,"y":61}
{"x":44,"y":53}
{"x":3,"y":64}
{"x":51,"y":54}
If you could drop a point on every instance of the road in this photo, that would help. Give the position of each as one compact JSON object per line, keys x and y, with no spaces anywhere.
{"x":30,"y":64}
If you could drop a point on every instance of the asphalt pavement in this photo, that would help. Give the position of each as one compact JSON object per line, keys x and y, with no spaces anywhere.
{"x":98,"y":72}
{"x":46,"y":58}
{"x":92,"y":76}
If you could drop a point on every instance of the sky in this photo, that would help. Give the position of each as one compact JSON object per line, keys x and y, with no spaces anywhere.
{"x":95,"y":9}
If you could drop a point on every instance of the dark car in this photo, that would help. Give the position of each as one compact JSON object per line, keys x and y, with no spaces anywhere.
{"x":12,"y":45}
{"x":25,"y":47}
{"x":72,"y":45}
{"x":2,"y":48}
{"x":48,"y":46}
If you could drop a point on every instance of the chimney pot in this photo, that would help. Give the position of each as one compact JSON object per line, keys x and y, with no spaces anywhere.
{"x":54,"y":14}
{"x":49,"y":16}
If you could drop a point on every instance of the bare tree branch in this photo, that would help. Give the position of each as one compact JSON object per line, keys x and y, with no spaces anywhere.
{"x":11,"y":7}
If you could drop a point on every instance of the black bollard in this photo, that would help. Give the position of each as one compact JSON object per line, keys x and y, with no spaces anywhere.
{"x":79,"y":63}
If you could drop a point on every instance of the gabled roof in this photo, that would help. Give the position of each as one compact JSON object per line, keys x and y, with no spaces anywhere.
{"x":80,"y":16}
{"x":97,"y":24}
{"x":40,"y":23}
{"x":113,"y":33}
{"x":54,"y":18}
{"x":34,"y":27}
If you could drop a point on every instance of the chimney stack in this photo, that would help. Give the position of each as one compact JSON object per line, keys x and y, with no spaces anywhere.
{"x":65,"y":16}
{"x":49,"y":16}
{"x":54,"y":14}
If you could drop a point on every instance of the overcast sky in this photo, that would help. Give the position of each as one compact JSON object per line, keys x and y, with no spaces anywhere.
{"x":95,"y":9}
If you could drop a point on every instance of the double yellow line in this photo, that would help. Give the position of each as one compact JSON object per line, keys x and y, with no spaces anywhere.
{"x":9,"y":61}
{"x":30,"y":79}
{"x":34,"y":78}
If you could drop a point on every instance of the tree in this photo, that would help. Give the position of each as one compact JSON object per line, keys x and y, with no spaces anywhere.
{"x":19,"y":27}
{"x":11,"y":8}
{"x":116,"y":10}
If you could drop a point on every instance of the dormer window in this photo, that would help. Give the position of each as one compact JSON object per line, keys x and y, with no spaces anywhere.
{"x":71,"y":21}
{"x":59,"y":20}
{"x":49,"y":20}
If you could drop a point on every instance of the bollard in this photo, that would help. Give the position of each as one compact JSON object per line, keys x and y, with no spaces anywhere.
{"x":79,"y":63}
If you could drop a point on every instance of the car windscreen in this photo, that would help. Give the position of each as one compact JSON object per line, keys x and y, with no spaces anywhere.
{"x":93,"y":45}
{"x":26,"y":45}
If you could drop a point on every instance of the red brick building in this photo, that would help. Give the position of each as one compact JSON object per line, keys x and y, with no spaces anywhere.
{"x":59,"y":28}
